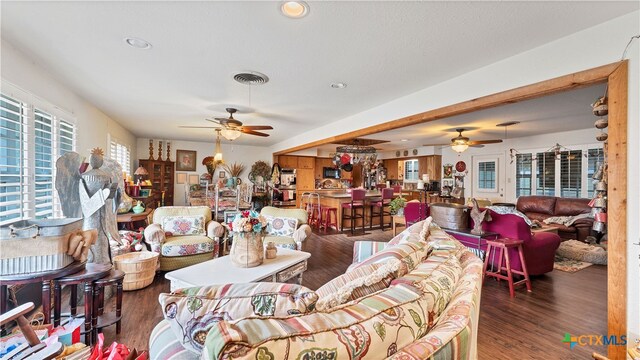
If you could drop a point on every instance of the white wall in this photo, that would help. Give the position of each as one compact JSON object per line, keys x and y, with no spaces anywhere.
{"x":246,"y":155}
{"x":567,"y":55}
{"x":19,"y":72}
{"x":506,"y":170}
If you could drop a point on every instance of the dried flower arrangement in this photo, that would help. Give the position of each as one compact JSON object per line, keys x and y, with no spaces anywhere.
{"x":234,"y":169}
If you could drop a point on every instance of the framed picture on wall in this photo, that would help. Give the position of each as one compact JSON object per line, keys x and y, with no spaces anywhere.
{"x":222,"y":175}
{"x":194,"y":179}
{"x":181,"y":178}
{"x":186,"y":160}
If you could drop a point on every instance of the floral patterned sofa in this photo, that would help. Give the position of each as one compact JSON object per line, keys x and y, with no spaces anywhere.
{"x":182,"y":235}
{"x":416,"y":297}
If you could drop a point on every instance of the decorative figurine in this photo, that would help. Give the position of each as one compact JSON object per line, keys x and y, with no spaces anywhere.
{"x":150,"y":149}
{"x":478,"y":218}
{"x":94,"y":195}
{"x":271,"y":250}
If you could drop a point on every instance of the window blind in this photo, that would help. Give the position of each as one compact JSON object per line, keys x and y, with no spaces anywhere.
{"x":487,"y":175}
{"x":44,"y":164}
{"x":546,"y":173}
{"x":120,"y":153}
{"x":13,"y":189}
{"x":571,"y":174}
{"x":524,"y":174}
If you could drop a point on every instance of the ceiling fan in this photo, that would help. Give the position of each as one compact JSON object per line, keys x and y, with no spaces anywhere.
{"x":461,"y":143}
{"x":231,"y":128}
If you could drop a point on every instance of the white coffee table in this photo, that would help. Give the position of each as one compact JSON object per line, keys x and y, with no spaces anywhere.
{"x":219,"y":271}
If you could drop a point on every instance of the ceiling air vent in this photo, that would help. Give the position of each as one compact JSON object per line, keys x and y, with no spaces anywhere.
{"x":251,"y":78}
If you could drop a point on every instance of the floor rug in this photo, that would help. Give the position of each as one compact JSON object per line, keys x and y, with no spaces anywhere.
{"x":569,"y":265}
{"x":579,"y":251}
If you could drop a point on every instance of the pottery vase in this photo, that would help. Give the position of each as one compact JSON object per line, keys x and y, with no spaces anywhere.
{"x":247,"y":249}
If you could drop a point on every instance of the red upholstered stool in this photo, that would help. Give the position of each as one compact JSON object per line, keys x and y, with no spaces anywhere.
{"x":315,"y":217}
{"x":350,"y":209}
{"x":326,"y":218}
{"x":503,"y":245}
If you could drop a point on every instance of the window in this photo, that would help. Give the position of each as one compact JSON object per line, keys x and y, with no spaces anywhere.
{"x":546,"y":173}
{"x":120,"y":153}
{"x":571,"y":174}
{"x":567,"y":175}
{"x":524,"y":175}
{"x":31,"y":139}
{"x":487,"y":175}
{"x":595,"y":158}
{"x":411,"y":170}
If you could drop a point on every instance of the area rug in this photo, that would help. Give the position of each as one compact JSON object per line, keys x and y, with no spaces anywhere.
{"x":569,"y":265}
{"x":577,"y":250}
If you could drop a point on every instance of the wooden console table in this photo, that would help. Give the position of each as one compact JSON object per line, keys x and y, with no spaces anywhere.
{"x":473,"y":241}
{"x":128,"y":219}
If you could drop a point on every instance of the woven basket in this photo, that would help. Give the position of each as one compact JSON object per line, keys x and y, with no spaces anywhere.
{"x":139,"y":269}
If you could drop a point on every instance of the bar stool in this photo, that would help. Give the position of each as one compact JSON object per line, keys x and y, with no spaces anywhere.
{"x":312,"y":207}
{"x":357,"y":202}
{"x":387,"y":196}
{"x":86,"y":277}
{"x":98,"y":319}
{"x":504,"y":245}
{"x":326,"y":218}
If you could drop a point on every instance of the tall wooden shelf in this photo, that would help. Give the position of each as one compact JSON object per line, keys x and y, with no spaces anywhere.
{"x":161,"y":174}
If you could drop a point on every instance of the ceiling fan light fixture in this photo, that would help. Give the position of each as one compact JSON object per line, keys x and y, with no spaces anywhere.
{"x":217,"y":157}
{"x":459,"y":147}
{"x":230,"y":134}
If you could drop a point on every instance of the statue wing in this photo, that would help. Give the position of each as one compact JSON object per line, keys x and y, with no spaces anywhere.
{"x":67,"y":176}
{"x":114,"y":170}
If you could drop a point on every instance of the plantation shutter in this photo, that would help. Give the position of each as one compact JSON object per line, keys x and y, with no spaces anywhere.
{"x":571,"y":174}
{"x":546,"y":174}
{"x":524,"y":174}
{"x":120,"y":153}
{"x":44,"y":164}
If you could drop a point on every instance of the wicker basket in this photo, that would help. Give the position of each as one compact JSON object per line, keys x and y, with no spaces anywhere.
{"x":139,"y":269}
{"x":450,"y":216}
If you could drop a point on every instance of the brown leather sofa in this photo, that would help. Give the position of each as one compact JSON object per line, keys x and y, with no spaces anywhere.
{"x":542,"y":207}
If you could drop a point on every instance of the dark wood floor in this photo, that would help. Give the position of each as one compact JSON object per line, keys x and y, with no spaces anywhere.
{"x":529,"y":326}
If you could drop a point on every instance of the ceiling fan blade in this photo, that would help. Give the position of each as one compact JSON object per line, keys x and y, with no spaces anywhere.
{"x":257,"y":133}
{"x":257,"y":127}
{"x":436,"y":144}
{"x":213,"y":121}
{"x":199,"y":127}
{"x":480,"y":142}
{"x":476,"y":146}
{"x":220,"y":119}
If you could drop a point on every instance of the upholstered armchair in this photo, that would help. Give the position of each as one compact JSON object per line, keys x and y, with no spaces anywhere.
{"x":279,"y":220}
{"x":183,"y":236}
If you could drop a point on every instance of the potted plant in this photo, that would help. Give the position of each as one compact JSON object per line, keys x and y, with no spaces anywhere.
{"x":396,"y":206}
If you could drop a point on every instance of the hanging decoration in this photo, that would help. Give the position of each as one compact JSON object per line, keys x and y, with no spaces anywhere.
{"x":348,"y":155}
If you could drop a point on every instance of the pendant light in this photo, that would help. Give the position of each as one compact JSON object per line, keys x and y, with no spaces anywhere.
{"x":217,"y":158}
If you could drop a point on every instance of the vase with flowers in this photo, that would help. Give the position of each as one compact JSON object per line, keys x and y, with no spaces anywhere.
{"x":248,"y":229}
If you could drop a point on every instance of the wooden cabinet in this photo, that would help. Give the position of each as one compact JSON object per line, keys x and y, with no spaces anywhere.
{"x":306,"y":162}
{"x":288,"y":162}
{"x":433,"y":164}
{"x":305,"y":179}
{"x":392,"y":168}
{"x":320,"y":164}
{"x":161,"y":174}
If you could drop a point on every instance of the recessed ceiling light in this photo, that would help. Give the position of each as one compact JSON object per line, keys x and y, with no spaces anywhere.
{"x":137,"y":43}
{"x":339,"y":85}
{"x":404,"y":140}
{"x":294,"y":9}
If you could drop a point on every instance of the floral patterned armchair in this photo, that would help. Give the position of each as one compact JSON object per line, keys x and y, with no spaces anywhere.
{"x":183,"y":236}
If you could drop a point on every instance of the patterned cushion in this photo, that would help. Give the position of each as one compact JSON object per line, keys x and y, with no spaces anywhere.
{"x":437,"y":277}
{"x":187,"y":245}
{"x":363,"y":250}
{"x":281,"y":226}
{"x":163,"y":344}
{"x":361,"y":282}
{"x":193,"y":311}
{"x":372,"y":327}
{"x":184,"y":225}
{"x":409,"y":253}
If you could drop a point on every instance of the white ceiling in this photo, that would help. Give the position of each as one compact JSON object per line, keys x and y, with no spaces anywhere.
{"x":560,"y":112}
{"x":382,"y":50}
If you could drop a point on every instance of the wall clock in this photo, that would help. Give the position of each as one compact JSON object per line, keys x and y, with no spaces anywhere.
{"x":415,"y":151}
{"x":406,"y":153}
{"x":398,"y":153}
{"x":461,"y":166}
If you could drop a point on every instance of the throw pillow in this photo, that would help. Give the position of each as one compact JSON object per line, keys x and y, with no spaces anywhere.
{"x":281,"y":226}
{"x":193,"y":311}
{"x":360,"y":282}
{"x":410,"y":254}
{"x":184,"y":225}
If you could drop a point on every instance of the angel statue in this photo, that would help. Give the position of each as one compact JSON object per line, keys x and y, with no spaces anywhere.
{"x":478,"y":218}
{"x":94,"y":195}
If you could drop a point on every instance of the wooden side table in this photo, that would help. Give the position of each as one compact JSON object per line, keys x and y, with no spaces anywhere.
{"x":128,"y":219}
{"x":504,"y":244}
{"x":42,"y":277}
{"x":99,"y":320}
{"x":86,"y":277}
{"x":397,"y":220}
